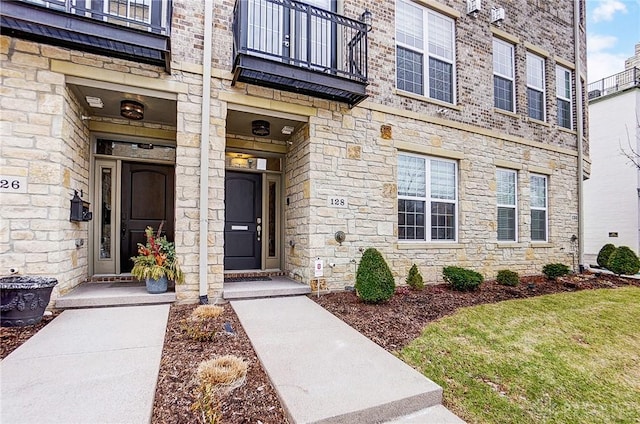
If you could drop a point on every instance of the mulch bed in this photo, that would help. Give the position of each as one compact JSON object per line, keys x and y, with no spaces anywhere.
{"x":392,"y":325}
{"x":396,"y":323}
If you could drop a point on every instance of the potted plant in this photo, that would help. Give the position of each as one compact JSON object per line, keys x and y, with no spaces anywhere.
{"x":156,"y":262}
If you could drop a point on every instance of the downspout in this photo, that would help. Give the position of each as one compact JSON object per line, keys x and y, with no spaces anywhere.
{"x":204,"y":152}
{"x":579,"y":130}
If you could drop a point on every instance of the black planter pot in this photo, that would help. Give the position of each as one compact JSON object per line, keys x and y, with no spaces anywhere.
{"x":24,"y":299}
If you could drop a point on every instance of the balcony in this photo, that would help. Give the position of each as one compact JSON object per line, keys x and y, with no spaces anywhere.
{"x":629,"y":78}
{"x":296,"y":47}
{"x":136,"y":30}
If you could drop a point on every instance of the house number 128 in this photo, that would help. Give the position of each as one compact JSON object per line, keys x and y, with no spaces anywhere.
{"x":338,"y":202}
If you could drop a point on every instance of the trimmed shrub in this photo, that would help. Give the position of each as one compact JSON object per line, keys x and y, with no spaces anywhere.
{"x":508,"y":278}
{"x":462,"y":279}
{"x":553,"y":271}
{"x":623,"y":261}
{"x":374,"y":281}
{"x":603,"y":255}
{"x":414,"y":279}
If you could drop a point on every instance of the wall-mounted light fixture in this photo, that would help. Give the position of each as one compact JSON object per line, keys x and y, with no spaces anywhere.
{"x":260,"y":128}
{"x":131,"y":109}
{"x":367,"y":19}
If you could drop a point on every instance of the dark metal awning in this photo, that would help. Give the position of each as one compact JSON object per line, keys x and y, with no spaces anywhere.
{"x":72,"y":31}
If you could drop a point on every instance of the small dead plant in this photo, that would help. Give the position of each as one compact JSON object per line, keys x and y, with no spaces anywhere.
{"x":201,"y":325}
{"x":217,"y":377}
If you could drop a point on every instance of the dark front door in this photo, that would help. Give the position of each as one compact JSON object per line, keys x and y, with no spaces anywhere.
{"x":243,"y":221}
{"x":147,"y":200}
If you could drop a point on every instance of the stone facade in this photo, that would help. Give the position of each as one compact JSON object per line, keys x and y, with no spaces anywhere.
{"x":339,"y":151}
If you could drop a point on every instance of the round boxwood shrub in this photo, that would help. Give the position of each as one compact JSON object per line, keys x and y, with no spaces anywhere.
{"x":414,"y":279}
{"x":553,"y":271}
{"x":603,"y":255}
{"x":508,"y":278}
{"x":461,"y":278}
{"x":374,"y":281}
{"x":623,"y":261}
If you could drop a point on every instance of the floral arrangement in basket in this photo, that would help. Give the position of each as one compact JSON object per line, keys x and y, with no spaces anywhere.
{"x":157,"y":258}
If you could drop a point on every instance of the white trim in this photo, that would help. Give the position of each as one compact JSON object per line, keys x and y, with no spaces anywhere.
{"x":537,"y":60}
{"x":428,"y":199}
{"x":511,"y":78}
{"x":426,"y":54}
{"x":565,"y":71}
{"x":513,"y":206}
{"x":545,"y":208}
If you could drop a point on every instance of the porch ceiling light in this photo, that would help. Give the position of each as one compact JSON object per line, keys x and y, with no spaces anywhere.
{"x":260,"y":128}
{"x":367,"y":19}
{"x":131,"y":109}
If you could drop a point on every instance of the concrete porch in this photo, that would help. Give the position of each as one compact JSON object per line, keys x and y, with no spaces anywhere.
{"x":112,"y":293}
{"x":277,"y":286}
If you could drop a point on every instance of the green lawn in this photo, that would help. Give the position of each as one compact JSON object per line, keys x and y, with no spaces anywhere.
{"x":565,"y":358}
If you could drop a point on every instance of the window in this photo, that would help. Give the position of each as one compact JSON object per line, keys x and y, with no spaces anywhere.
{"x":535,"y":87}
{"x":538,"y":208}
{"x":423,"y":183}
{"x":507,"y":201}
{"x":563,"y":95}
{"x":425,"y":52}
{"x":503,"y":93}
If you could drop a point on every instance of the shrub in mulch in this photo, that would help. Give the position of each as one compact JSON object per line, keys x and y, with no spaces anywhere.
{"x":462,"y":279}
{"x":553,"y":271}
{"x":623,"y":261}
{"x":604,"y":253}
{"x":508,"y":278}
{"x":414,"y":279}
{"x":374,"y":280}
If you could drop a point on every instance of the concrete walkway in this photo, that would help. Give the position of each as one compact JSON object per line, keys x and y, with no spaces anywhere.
{"x":326,"y":372}
{"x":86,"y":366}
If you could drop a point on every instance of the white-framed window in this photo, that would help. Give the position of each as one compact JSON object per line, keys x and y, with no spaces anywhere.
{"x":427,"y":198}
{"x":503,"y":76}
{"x":507,"y":200}
{"x":539,"y":208}
{"x":535,"y":87}
{"x":425,"y":52}
{"x":563,"y":96}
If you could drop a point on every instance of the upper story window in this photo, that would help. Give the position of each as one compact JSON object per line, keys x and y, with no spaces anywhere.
{"x":425,"y":53}
{"x":503,"y":76}
{"x":535,"y":87}
{"x":507,"y":184}
{"x":427,"y":198}
{"x":563,"y":95}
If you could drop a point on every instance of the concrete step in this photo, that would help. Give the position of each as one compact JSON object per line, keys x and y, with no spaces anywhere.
{"x":115,"y":293}
{"x":434,"y":415}
{"x":276,"y":287}
{"x":324,"y":371}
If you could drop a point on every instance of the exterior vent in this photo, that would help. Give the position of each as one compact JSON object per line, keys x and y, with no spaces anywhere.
{"x":474,"y":6}
{"x":497,"y":15}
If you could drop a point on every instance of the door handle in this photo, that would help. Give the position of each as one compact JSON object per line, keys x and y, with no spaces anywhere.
{"x":259,"y":231}
{"x":123,"y":230}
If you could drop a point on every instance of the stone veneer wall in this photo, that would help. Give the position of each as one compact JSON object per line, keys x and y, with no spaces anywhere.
{"x":44,"y":140}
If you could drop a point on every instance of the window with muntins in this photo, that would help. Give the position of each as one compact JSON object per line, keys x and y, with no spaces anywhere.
{"x":425,"y":52}
{"x":535,"y":87}
{"x":539,"y":208}
{"x":563,"y":96}
{"x":507,"y":200}
{"x":427,"y":198}
{"x":503,"y":92}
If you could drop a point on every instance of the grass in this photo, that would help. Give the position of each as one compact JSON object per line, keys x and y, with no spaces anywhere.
{"x":564,"y":358}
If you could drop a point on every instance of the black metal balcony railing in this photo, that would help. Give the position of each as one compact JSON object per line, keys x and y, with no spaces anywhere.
{"x":294,"y":46}
{"x":137,"y":30}
{"x":627,"y":79}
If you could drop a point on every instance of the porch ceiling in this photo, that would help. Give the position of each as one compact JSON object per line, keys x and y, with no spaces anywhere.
{"x":239,"y":123}
{"x":157,"y":110}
